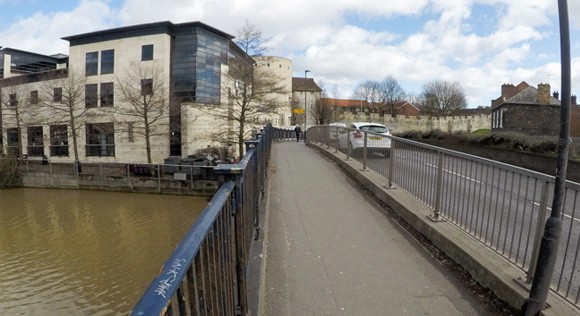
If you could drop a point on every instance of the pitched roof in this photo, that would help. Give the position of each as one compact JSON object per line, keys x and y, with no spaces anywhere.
{"x":304,"y":84}
{"x":529,"y":95}
{"x":523,"y":93}
{"x":345,"y":102}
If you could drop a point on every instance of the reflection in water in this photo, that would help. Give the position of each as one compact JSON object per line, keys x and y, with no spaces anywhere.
{"x":85,"y":252}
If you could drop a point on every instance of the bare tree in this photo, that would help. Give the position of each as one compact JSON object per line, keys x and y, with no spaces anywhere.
{"x":442,"y":98}
{"x":251,"y":90}
{"x":68,"y":105}
{"x":369,"y":91}
{"x":145,"y":106}
{"x":15,"y":106}
{"x":390,"y":94}
{"x":322,"y":109}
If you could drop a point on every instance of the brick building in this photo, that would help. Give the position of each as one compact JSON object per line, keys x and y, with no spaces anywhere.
{"x":529,"y":110}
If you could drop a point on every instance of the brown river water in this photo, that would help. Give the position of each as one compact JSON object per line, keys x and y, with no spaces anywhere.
{"x":66,"y":252}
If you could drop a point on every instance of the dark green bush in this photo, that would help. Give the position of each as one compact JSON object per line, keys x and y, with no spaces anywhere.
{"x":9,"y":173}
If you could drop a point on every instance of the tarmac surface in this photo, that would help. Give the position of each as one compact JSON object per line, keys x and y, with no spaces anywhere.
{"x":329,"y":249}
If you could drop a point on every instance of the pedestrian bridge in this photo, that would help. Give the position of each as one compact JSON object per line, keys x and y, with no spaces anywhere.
{"x":305,"y":228}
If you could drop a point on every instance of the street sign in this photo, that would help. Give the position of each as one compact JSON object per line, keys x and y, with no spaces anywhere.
{"x":298,"y":111}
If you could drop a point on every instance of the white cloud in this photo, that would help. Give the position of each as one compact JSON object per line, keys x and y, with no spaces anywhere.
{"x":451,"y":45}
{"x":41,"y":32}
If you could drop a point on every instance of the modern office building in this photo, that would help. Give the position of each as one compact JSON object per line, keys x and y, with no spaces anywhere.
{"x":129,"y":89}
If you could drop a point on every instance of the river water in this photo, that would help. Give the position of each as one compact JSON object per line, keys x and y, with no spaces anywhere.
{"x":66,"y":252}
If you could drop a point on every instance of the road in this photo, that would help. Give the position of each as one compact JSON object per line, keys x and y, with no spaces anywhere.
{"x":498,"y":205}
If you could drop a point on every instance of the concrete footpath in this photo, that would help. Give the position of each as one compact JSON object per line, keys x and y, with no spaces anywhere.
{"x":330,"y":250}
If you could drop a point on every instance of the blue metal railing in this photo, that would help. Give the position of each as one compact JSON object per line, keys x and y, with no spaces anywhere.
{"x":206,"y":274}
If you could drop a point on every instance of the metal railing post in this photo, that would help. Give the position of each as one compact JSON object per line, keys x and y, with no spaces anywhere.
{"x":438,"y":188}
{"x":348,"y":145}
{"x":365,"y":151}
{"x":50,"y":171}
{"x":391,"y":164}
{"x":158,"y":177}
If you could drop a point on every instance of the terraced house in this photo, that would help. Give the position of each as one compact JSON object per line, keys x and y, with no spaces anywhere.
{"x":131,"y":94}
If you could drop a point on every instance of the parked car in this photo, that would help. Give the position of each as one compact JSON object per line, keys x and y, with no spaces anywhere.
{"x":377,"y":140}
{"x":335,"y":129}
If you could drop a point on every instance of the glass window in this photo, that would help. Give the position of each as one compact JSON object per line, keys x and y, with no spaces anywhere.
{"x":107,"y":61}
{"x":35,"y":141}
{"x":147,"y":52}
{"x":58,"y":141}
{"x":91,"y":96}
{"x":34,"y":97}
{"x":13,"y":100}
{"x":91,"y":63}
{"x":12,"y":142}
{"x":107,"y":94}
{"x":57,"y":95}
{"x":131,"y":132}
{"x":146,"y":86}
{"x":100,"y":140}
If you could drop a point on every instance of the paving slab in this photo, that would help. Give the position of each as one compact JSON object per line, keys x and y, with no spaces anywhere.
{"x":331,"y":250}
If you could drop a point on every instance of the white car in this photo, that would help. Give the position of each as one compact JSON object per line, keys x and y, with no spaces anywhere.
{"x":335,"y":129}
{"x":377,"y":140}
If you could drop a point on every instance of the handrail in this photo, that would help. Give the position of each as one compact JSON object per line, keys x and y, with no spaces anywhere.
{"x":166,"y":284}
{"x":206,"y":273}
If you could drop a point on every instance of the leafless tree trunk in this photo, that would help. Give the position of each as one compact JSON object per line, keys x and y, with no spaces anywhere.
{"x":322,"y":109}
{"x":252,"y":90}
{"x":15,"y":107}
{"x":144,"y":104}
{"x":70,"y":109}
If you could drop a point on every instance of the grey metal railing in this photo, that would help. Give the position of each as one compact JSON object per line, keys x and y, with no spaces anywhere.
{"x":206,"y":274}
{"x":503,"y":206}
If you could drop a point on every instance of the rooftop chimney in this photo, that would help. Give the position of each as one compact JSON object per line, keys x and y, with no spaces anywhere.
{"x":508,"y":90}
{"x":543,"y":93}
{"x":573,"y":100}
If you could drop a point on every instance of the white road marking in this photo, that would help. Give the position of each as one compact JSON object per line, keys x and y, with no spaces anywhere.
{"x":456,"y":174}
{"x":565,"y":215}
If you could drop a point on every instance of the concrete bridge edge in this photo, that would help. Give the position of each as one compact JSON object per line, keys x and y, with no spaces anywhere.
{"x":485,"y":265}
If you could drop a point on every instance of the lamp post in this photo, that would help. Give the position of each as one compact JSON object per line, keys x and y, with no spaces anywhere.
{"x":305,"y":106}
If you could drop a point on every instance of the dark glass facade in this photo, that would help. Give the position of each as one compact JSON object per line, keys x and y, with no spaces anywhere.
{"x":197,"y":56}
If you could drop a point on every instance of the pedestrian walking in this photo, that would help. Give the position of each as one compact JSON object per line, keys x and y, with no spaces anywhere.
{"x":297,"y":130}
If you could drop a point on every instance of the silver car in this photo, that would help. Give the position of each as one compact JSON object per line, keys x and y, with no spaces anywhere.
{"x":377,"y":138}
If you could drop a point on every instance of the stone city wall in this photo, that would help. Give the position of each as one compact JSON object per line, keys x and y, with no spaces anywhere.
{"x":402,"y":124}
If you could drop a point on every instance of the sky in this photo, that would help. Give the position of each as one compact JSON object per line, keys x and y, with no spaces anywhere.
{"x":481,"y":44}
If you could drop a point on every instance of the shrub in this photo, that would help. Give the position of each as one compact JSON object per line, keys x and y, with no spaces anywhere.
{"x":434,"y":134}
{"x":9,"y":173}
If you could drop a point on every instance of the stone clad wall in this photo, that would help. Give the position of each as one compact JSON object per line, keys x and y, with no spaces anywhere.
{"x":401,"y":124}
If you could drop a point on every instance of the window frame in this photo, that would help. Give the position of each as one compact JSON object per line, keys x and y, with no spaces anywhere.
{"x":34,"y":97}
{"x":91,"y":95}
{"x":58,"y":141}
{"x":147,"y":52}
{"x":107,"y":94}
{"x":146,"y":87}
{"x":35,"y":144}
{"x":57,"y":95}
{"x":108,"y":61}
{"x":92,"y":64}
{"x":100,"y":140}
